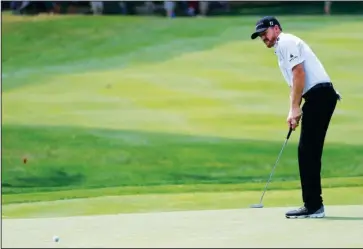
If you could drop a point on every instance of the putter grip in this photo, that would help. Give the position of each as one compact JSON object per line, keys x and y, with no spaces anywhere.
{"x":288,"y":134}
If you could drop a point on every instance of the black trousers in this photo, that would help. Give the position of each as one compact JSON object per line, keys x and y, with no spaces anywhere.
{"x":319,"y":106}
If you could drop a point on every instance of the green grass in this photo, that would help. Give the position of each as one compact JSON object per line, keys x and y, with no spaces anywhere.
{"x":125,"y":38}
{"x":78,"y":158}
{"x":174,"y":202}
{"x":43,"y":196}
{"x":146,"y":105}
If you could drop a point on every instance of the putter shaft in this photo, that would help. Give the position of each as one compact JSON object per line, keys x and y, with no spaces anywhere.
{"x":273,"y":169}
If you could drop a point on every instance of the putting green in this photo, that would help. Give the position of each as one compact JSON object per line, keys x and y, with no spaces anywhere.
{"x":206,"y":229}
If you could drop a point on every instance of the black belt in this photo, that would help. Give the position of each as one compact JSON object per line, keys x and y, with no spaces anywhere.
{"x":317,"y":86}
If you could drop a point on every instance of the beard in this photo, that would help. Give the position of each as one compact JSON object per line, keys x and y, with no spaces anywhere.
{"x":269,"y":42}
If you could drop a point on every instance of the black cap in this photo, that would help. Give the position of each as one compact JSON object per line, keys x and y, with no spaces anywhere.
{"x":263,"y":24}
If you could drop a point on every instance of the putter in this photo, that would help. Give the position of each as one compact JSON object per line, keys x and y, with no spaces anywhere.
{"x":260,"y":205}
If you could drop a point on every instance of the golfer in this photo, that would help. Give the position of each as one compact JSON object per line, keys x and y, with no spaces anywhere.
{"x":308,"y":80}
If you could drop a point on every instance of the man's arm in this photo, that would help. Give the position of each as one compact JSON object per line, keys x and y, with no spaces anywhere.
{"x":296,"y":96}
{"x":294,"y":60}
{"x":297,"y":86}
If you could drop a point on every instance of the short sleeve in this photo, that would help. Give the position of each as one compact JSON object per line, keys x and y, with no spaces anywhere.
{"x":292,"y":54}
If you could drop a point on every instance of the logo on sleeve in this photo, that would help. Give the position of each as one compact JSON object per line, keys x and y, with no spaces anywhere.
{"x":292,"y":57}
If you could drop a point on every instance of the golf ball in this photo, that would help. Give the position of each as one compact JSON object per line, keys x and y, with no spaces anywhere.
{"x":55,"y":238}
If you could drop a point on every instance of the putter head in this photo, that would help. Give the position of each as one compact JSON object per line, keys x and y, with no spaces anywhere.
{"x":260,"y":205}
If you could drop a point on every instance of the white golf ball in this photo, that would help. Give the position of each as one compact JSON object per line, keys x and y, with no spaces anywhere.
{"x":55,"y":238}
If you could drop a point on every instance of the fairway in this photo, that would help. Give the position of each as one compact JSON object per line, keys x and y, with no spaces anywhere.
{"x":141,"y":114}
{"x":237,"y":228}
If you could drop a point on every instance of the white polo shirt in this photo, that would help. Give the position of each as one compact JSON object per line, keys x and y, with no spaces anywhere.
{"x":290,"y":51}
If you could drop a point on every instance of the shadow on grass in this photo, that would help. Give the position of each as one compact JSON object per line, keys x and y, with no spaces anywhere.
{"x":100,"y":158}
{"x":54,"y":178}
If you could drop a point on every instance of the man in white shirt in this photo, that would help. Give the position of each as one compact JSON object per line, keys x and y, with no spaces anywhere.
{"x":308,"y":80}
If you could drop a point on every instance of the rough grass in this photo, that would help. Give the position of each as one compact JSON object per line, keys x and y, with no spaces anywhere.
{"x":75,"y":158}
{"x":97,"y":102}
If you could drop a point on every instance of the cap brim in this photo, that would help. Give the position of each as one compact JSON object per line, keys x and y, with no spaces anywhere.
{"x":257,"y":33}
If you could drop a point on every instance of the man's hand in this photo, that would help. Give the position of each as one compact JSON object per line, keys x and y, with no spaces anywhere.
{"x":294,"y":117}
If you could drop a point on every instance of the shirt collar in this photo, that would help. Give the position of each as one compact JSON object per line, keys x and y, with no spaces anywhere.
{"x":277,"y":41}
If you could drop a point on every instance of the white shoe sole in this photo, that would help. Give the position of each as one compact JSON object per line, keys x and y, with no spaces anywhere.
{"x":313,"y":216}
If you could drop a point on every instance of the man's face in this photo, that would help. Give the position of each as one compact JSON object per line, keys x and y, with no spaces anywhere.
{"x":269,"y":37}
